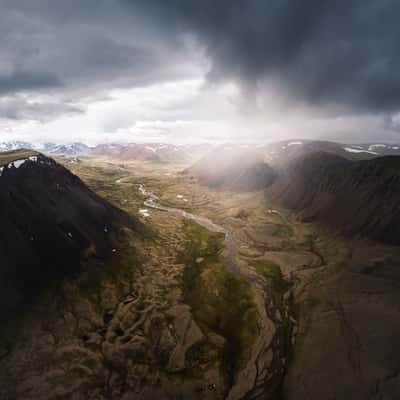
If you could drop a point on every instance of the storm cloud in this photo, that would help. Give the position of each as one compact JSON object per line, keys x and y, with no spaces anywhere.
{"x":330,"y":51}
{"x":334,"y":56}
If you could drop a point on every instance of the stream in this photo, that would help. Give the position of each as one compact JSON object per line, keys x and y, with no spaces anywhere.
{"x":152,"y":201}
{"x":270,"y":316}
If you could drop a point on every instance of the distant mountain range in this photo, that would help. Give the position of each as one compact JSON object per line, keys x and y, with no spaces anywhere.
{"x":50,"y":148}
{"x":160,"y":152}
{"x":273,"y":153}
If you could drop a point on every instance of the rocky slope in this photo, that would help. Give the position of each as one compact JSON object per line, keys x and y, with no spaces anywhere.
{"x":357,"y":198}
{"x":49,"y":221}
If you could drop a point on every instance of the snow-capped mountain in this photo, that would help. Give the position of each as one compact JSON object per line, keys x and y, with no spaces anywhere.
{"x":69,"y":149}
{"x":49,"y":148}
{"x":15,"y":145}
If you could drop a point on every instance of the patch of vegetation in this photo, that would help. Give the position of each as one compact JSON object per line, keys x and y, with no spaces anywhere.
{"x":282,"y":341}
{"x":272,"y":272}
{"x":117,"y":270}
{"x":282,"y":230}
{"x":221,"y":302}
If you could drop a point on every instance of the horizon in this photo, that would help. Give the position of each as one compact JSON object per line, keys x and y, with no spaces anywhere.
{"x":39,"y":145}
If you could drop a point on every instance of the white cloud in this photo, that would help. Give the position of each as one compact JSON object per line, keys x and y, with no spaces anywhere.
{"x":188,"y":111}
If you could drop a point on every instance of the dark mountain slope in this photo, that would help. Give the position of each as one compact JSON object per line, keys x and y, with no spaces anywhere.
{"x":353,"y":197}
{"x":234,"y":169}
{"x":49,"y":221}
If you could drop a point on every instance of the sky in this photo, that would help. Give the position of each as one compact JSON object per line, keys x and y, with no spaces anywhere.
{"x":190,"y":71}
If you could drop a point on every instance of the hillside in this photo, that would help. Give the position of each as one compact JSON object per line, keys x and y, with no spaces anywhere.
{"x":49,"y":221}
{"x":354,"y":197}
{"x":233,"y":168}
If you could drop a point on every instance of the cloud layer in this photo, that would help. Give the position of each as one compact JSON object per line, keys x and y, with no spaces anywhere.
{"x":306,"y":61}
{"x":332,"y":51}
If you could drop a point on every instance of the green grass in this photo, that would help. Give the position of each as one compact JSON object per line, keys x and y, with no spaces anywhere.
{"x":272,"y":273}
{"x":283,"y":231}
{"x":221,"y":302}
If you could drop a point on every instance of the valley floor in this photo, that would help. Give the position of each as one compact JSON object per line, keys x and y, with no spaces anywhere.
{"x":179,"y":318}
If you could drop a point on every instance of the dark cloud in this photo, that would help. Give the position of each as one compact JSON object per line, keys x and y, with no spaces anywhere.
{"x":20,"y":108}
{"x":22,"y":81}
{"x":75,"y":45}
{"x":320,"y":51}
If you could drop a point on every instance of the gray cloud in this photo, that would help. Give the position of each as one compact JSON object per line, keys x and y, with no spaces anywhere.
{"x":20,"y":108}
{"x":323,"y":54}
{"x":81,"y":46}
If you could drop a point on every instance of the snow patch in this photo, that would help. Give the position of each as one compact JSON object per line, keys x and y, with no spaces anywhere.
{"x":294,"y":143}
{"x":375,"y":146}
{"x":179,"y":196}
{"x":352,"y":150}
{"x":144,"y":212}
{"x":17,"y":163}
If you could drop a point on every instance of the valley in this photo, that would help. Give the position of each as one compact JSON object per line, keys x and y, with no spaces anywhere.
{"x":223,"y":295}
{"x":199,"y":200}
